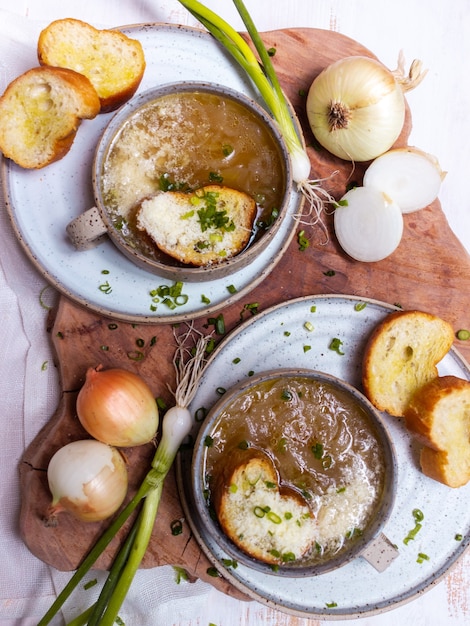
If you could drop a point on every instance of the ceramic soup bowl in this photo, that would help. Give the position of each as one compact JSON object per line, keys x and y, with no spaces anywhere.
{"x":182,"y":138}
{"x":294,"y":474}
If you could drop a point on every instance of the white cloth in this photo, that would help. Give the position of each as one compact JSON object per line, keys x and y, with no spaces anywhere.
{"x":29,"y":390}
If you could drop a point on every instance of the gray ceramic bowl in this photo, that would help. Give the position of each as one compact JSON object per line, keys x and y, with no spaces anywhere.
{"x":371,"y":543}
{"x":91,"y":227}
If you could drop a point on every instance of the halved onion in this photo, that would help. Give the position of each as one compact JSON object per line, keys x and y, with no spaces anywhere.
{"x":368,"y":224}
{"x":408,"y":175}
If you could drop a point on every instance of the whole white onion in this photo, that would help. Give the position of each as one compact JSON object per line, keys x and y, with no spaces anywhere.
{"x":88,"y":479}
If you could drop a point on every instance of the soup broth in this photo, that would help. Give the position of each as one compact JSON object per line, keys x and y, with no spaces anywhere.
{"x":323,"y":445}
{"x":183,"y":141}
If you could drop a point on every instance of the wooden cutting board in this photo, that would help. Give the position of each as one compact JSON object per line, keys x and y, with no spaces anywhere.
{"x":430,"y":271}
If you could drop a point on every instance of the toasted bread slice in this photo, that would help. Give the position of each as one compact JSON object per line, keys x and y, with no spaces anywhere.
{"x":202,"y":228}
{"x":439,"y":417}
{"x":40,"y":113}
{"x":113,"y":62}
{"x":268,"y":524}
{"x":401,"y":355}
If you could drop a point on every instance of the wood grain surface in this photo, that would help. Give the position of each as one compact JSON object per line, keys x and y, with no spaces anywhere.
{"x":429,"y":271}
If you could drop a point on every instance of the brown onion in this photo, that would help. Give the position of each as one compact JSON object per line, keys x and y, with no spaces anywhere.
{"x":117,"y":407}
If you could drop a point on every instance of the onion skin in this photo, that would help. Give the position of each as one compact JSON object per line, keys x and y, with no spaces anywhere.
{"x":88,"y":479}
{"x":117,"y":407}
{"x":371,"y":103}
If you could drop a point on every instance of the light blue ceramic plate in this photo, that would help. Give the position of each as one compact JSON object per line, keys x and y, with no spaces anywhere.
{"x":41,"y":203}
{"x":277,"y":338}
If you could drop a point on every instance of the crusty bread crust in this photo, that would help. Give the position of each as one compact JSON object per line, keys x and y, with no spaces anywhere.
{"x":262,"y":520}
{"x":113,"y":62}
{"x":171,"y":219}
{"x":438,"y":415}
{"x":401,"y":355}
{"x":40,"y":112}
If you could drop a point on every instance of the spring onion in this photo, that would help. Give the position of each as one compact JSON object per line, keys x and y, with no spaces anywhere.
{"x":264,"y":77}
{"x":189,"y":366}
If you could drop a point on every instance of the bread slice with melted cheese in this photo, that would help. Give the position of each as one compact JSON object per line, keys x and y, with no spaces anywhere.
{"x":401,"y":355}
{"x":438,"y":415}
{"x":113,"y":62}
{"x":264,"y":521}
{"x":40,"y":112}
{"x":201,"y":228}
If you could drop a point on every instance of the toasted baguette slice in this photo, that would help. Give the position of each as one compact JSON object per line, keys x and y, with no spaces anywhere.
{"x":401,"y":355}
{"x":439,"y":417}
{"x":172,"y":219}
{"x":40,"y":113}
{"x":261,"y":520}
{"x":113,"y":62}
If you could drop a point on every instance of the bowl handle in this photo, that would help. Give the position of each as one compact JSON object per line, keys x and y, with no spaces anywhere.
{"x":87,"y":230}
{"x":380,"y":552}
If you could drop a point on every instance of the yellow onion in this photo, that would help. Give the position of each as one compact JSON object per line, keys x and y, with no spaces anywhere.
{"x":88,"y":479}
{"x":117,"y":407}
{"x":356,"y":106}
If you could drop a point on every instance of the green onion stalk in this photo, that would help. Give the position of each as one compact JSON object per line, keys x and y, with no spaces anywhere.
{"x":264,"y":77}
{"x":189,"y":366}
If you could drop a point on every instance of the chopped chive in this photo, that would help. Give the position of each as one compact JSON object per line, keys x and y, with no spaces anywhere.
{"x":205,"y":299}
{"x":236,"y":360}
{"x":180,"y":574}
{"x":463,"y":334}
{"x":232,"y":289}
{"x":335,"y":345}
{"x":41,"y":298}
{"x":309,"y":326}
{"x":200,"y":414}
{"x":360,"y":306}
{"x":307,"y":348}
{"x":212,"y":571}
{"x":302,"y":241}
{"x":176,"y":527}
{"x":90,"y":584}
{"x":105,"y":288}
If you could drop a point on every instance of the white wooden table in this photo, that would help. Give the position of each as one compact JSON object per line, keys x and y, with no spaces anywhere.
{"x":434,"y":31}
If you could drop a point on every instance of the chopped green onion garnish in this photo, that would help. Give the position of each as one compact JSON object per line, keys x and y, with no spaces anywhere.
{"x":463,"y":334}
{"x":360,"y":306}
{"x":335,"y":345}
{"x":176,"y":527}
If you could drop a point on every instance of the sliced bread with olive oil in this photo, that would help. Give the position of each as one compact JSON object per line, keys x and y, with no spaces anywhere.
{"x":113,"y":62}
{"x":40,"y":112}
{"x":401,"y":355}
{"x":438,"y":415}
{"x":201,"y":228}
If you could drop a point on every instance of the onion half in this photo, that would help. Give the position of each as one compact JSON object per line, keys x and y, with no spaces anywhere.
{"x":408,"y":175}
{"x":368,"y":224}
